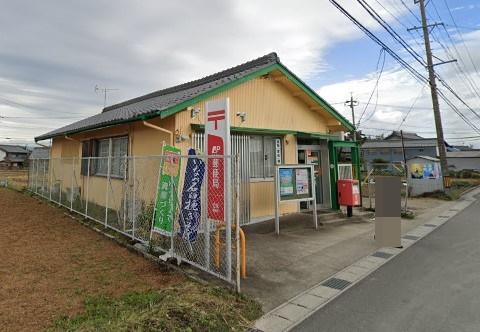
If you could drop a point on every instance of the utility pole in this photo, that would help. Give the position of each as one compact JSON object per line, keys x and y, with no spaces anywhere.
{"x":405,"y":168}
{"x":433,"y":88}
{"x":352,"y":103}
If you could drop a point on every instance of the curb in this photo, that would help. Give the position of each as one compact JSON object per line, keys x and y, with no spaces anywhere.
{"x":294,"y":311}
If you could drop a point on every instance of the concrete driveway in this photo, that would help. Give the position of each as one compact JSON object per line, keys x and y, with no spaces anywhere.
{"x":279,"y":267}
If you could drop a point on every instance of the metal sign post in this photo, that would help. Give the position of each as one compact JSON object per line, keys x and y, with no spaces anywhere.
{"x":294,"y":183}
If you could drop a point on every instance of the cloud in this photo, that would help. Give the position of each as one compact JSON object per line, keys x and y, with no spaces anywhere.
{"x":53,"y":53}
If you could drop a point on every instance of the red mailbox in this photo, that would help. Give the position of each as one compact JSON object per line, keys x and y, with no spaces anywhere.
{"x":348,"y":192}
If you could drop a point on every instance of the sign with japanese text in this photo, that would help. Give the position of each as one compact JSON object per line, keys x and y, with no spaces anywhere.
{"x":191,"y":211}
{"x":168,"y":183}
{"x":217,"y":142}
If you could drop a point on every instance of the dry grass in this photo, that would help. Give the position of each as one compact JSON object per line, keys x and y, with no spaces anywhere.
{"x":17,"y":178}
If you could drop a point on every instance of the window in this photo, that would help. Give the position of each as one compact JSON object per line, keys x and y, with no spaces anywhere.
{"x":265,"y":153}
{"x":107,"y":150}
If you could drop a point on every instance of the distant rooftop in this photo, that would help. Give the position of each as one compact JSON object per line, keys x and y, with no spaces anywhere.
{"x":464,"y":154}
{"x":13,"y":149}
{"x":396,"y":134}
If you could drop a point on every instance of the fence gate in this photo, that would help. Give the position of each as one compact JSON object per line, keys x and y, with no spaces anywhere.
{"x":126,"y":194}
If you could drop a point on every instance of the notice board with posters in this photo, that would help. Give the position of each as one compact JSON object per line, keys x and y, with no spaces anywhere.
{"x":294,"y":183}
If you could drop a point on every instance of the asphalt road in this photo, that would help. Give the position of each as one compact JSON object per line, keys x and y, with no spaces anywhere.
{"x":432,"y":286}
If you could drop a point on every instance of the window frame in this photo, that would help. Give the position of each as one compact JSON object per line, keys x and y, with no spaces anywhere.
{"x":93,"y":154}
{"x":265,"y":165}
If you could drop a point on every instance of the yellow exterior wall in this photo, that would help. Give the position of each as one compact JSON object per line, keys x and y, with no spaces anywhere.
{"x":143,"y":142}
{"x":268,"y":103}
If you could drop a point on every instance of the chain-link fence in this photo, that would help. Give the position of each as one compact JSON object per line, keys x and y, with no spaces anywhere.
{"x":372,"y":170}
{"x":185,"y":207}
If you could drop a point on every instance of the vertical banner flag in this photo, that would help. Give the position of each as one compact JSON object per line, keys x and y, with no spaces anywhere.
{"x":191,"y":211}
{"x":167,"y":183}
{"x":217,"y":142}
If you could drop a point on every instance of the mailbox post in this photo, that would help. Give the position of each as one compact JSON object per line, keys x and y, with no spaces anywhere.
{"x":348,"y":194}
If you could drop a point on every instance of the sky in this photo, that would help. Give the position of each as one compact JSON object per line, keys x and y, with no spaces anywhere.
{"x":54,"y":53}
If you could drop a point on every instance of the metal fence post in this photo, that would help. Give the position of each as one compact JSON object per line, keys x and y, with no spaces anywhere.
{"x":160,"y":166}
{"x":87,"y":189}
{"x":50,"y":172}
{"x":237,"y":219}
{"x":71,"y":184}
{"x":108,"y":182}
{"x":205,"y":213}
{"x":125,"y":186}
{"x":228,"y":214}
{"x":36,"y":178}
{"x":44,"y":175}
{"x":134,"y":216}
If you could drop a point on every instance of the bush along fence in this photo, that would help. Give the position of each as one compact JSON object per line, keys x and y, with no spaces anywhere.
{"x":185,"y":207}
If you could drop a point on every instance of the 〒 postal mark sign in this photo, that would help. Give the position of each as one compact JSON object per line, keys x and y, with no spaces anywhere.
{"x":217,"y":142}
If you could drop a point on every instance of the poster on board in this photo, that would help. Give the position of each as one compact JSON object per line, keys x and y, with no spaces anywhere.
{"x":302,"y":179}
{"x":416,"y":171}
{"x":286,"y":181}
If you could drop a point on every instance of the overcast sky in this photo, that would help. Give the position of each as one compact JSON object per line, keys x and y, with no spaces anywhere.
{"x":53,"y":54}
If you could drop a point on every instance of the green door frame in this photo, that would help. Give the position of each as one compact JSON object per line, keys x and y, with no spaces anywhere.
{"x":332,"y":151}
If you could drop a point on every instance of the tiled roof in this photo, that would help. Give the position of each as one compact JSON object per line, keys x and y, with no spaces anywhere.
{"x":40,"y":153}
{"x":406,"y":135}
{"x":164,"y":102}
{"x":163,"y":99}
{"x":13,"y":149}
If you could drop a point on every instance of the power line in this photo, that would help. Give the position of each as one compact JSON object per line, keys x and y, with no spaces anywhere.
{"x":463,"y":27}
{"x":374,"y":14}
{"x":461,"y":37}
{"x":418,"y":76}
{"x":411,"y":107}
{"x":375,"y":88}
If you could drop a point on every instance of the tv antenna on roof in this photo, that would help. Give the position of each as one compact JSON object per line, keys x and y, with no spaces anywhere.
{"x":104,"y":91}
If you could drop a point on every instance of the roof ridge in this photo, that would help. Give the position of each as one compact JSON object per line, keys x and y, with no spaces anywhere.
{"x":271,"y":57}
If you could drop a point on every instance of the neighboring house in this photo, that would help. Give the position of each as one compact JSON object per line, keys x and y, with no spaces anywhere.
{"x":389,"y":149}
{"x":275,"y":119}
{"x":464,"y":160}
{"x":40,"y":153}
{"x":13,"y":156}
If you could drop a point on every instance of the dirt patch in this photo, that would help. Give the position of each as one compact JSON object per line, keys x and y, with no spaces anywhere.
{"x":49,"y":264}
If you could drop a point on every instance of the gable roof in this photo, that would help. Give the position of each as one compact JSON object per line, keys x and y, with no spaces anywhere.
{"x":406,"y":135}
{"x":13,"y":149}
{"x":168,"y":101}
